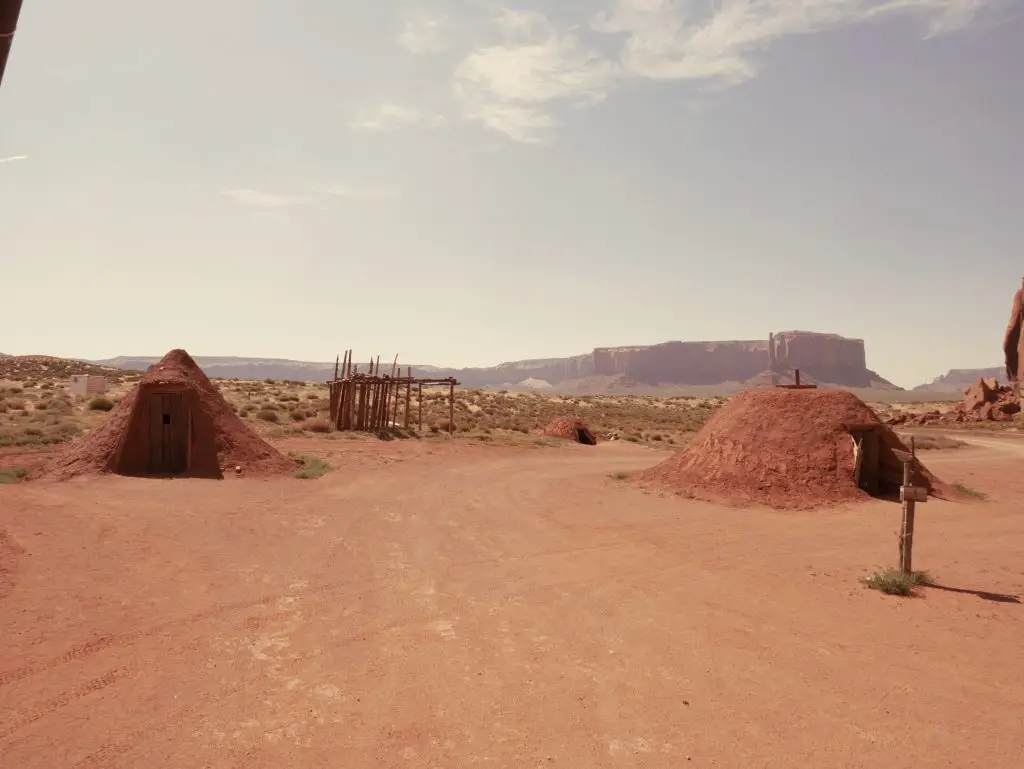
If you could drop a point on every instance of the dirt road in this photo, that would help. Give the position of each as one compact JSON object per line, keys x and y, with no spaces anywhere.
{"x":454,"y":606}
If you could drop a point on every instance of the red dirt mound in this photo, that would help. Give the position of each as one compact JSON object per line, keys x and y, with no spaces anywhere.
{"x":570,"y":429}
{"x":790,"y":449}
{"x":175,"y":422}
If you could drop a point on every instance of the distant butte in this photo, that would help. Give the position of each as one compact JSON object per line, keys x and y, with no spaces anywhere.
{"x":827,"y":359}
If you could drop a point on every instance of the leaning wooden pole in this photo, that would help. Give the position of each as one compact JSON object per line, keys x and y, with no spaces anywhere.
{"x":9,"y":12}
{"x":451,"y":407}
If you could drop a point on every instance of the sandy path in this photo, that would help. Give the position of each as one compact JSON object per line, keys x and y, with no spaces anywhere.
{"x":494,"y":607}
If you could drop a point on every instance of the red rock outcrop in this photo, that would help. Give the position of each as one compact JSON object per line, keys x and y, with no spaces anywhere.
{"x":1013,"y":340}
{"x":984,"y":401}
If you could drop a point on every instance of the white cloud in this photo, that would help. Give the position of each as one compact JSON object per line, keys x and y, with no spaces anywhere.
{"x":425,"y":33}
{"x":388,"y":117}
{"x":668,"y":40}
{"x":261,"y":199}
{"x":521,"y":68}
{"x":509,"y":86}
{"x":359,"y":193}
{"x":12,"y":158}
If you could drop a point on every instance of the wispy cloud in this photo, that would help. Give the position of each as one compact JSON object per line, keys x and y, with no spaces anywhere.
{"x":390,"y":117}
{"x":12,"y":158}
{"x":509,"y":85}
{"x":260,"y":199}
{"x":520,"y":69}
{"x":668,"y":40}
{"x":425,"y":32}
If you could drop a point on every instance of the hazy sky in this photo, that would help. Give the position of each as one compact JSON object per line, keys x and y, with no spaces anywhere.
{"x":465,"y":182}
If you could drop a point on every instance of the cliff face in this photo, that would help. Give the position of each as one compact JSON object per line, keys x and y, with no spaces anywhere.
{"x":823,"y":357}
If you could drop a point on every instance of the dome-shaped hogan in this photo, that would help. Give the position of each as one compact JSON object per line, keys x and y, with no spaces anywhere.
{"x":174,"y":423}
{"x":796,"y":449}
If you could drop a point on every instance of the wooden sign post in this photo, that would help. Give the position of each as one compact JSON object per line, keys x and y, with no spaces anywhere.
{"x":910,"y":495}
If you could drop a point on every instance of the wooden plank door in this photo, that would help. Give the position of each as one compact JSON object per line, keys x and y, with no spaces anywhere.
{"x":168,"y":434}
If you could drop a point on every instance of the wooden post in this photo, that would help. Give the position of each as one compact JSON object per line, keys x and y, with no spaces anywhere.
{"x":419,"y":406}
{"x":408,"y":393}
{"x":396,"y":386}
{"x":797,"y":372}
{"x":363,"y":405}
{"x":907,"y":524}
{"x":451,"y":408}
{"x":337,"y":359}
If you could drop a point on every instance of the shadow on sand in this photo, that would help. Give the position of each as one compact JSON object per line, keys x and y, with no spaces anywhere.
{"x":983,"y":594}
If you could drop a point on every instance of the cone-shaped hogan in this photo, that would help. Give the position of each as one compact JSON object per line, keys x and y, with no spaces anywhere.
{"x":174,"y":423}
{"x":570,"y":429}
{"x":791,"y":449}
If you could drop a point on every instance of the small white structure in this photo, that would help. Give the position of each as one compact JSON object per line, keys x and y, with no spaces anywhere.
{"x":87,"y":384}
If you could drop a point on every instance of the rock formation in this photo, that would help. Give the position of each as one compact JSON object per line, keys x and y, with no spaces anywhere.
{"x":826,"y":358}
{"x":1013,"y":340}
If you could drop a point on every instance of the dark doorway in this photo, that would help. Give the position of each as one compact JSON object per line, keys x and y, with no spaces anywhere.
{"x":868,"y":447}
{"x":168,"y":434}
{"x":584,"y":436}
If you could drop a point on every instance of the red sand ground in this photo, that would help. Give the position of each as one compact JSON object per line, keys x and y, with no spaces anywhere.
{"x":569,"y":429}
{"x":223,"y":434}
{"x":449,"y":606}
{"x":788,"y":449}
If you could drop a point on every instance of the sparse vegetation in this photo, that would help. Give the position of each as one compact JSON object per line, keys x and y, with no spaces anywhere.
{"x":312,"y":467}
{"x":968,"y":491}
{"x":268,"y":415}
{"x":13,"y":476}
{"x":101,"y":403}
{"x":895,"y":582}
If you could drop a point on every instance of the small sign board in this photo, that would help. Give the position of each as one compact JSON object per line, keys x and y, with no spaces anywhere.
{"x":913,"y":494}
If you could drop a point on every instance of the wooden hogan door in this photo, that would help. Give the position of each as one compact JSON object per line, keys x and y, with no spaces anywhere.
{"x":169,"y":428}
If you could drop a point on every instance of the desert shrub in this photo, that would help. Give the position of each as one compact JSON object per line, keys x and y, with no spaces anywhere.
{"x":243,"y":413}
{"x":298,"y":415}
{"x":968,"y":491}
{"x":317,"y":426}
{"x":42,"y":405}
{"x":268,"y":415}
{"x":13,"y":476}
{"x":895,"y":582}
{"x":33,"y":431}
{"x":312,"y":467}
{"x":101,"y":403}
